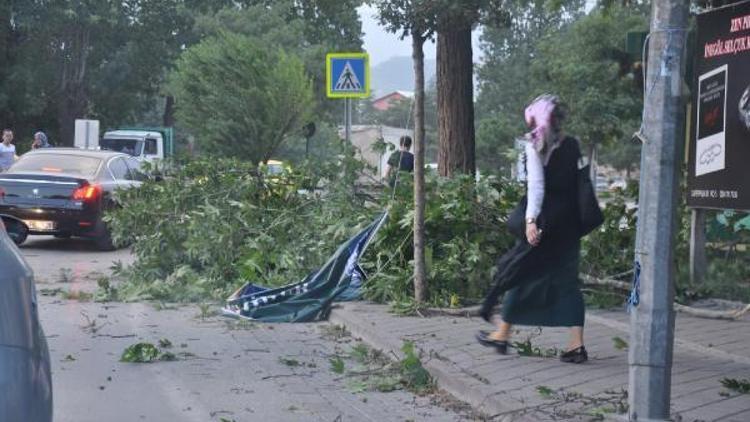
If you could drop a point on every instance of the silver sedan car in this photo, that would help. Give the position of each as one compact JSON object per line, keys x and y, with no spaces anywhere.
{"x":25,"y":377}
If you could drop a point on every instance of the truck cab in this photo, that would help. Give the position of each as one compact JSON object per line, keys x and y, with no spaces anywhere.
{"x":148,"y":145}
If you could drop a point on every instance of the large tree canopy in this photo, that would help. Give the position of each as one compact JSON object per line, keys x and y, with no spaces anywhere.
{"x":107,"y":59}
{"x":240,"y":98}
{"x":579,"y":57}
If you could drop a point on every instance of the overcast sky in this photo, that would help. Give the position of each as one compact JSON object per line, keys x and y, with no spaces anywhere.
{"x":382,"y":45}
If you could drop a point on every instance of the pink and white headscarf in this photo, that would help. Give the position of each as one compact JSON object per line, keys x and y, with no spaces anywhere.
{"x":539,"y":117}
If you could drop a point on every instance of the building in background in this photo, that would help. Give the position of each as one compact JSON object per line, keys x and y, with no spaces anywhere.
{"x":385,"y":102}
{"x":365,"y":139}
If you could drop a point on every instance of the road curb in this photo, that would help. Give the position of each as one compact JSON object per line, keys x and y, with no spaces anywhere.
{"x":482,"y":397}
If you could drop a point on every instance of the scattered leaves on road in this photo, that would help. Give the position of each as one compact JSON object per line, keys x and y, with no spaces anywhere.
{"x":78,"y":295}
{"x":66,"y":276}
{"x":50,"y":292}
{"x":334,"y":332}
{"x":619,"y":343}
{"x":145,"y":353}
{"x":741,"y":386}
{"x":289,"y":362}
{"x":337,"y":365}
{"x":544,"y":391}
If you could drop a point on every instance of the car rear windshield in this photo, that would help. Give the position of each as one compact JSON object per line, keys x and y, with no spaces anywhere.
{"x":57,"y":163}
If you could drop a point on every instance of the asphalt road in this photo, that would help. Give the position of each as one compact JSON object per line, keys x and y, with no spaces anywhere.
{"x":225,"y":370}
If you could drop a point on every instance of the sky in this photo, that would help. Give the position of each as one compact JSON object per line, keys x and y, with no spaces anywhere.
{"x":382,"y":45}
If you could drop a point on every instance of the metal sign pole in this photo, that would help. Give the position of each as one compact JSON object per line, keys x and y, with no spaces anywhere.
{"x":348,"y":117}
{"x":652,"y":320}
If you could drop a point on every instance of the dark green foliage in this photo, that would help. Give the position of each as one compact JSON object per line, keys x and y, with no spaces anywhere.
{"x":108,"y":59}
{"x":608,"y":251}
{"x":465,"y":233}
{"x":556,"y":48}
{"x":215,"y":223}
{"x":240,"y":98}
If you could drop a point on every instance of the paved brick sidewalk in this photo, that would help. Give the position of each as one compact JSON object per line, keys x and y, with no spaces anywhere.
{"x":517,"y":387}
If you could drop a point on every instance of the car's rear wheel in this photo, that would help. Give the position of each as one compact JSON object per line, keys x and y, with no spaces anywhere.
{"x":104,"y":239}
{"x":17,"y":231}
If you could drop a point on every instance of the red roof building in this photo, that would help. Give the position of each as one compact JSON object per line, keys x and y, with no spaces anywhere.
{"x":385,"y":102}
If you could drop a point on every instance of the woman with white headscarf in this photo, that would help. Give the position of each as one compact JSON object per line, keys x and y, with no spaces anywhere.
{"x":539,"y":275}
{"x":40,"y":141}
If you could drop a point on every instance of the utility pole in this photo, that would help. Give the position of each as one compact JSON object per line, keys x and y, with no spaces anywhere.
{"x":652,"y":320}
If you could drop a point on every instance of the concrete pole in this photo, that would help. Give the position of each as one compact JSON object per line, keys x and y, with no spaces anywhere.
{"x":698,"y":261}
{"x":652,"y":321}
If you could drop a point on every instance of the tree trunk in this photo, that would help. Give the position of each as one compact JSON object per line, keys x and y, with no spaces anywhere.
{"x":455,"y":97}
{"x":6,"y":33}
{"x":168,"y":117}
{"x":73,"y":100}
{"x":420,"y":282}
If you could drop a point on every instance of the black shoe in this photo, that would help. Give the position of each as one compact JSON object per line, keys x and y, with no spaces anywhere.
{"x":483,"y":337}
{"x":486,"y":314}
{"x":577,"y":355}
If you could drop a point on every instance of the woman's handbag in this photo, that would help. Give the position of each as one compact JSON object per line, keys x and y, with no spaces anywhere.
{"x":516,"y":221}
{"x":589,"y":212}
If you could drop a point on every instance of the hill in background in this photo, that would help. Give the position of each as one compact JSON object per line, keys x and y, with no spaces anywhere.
{"x":397,"y":74}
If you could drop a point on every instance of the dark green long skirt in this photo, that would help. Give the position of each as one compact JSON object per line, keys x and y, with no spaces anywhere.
{"x":549,"y":296}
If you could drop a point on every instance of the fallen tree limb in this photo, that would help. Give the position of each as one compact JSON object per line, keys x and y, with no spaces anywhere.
{"x":707,"y":313}
{"x":473,"y":311}
{"x":690,"y":310}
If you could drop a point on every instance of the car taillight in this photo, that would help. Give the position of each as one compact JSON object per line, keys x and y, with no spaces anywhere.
{"x":87,"y":193}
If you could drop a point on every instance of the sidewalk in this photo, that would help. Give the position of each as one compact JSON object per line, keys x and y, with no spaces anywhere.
{"x":514,"y":387}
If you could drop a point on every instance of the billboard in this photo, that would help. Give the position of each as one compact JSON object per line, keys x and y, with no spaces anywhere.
{"x":719,"y":149}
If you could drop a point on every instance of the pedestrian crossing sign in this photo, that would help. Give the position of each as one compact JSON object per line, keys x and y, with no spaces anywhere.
{"x":348,"y":75}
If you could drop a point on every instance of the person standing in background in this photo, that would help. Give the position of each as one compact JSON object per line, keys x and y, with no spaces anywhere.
{"x":40,"y":141}
{"x":401,"y":160}
{"x":7,"y":151}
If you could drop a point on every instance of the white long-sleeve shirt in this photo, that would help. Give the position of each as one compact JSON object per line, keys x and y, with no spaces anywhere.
{"x":534,"y":181}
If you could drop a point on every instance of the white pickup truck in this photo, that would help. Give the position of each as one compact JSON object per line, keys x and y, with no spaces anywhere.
{"x":145,"y":144}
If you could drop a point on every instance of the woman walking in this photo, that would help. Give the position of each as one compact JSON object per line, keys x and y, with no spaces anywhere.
{"x":539,"y":275}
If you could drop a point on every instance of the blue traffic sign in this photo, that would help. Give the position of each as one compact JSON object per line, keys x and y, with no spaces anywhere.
{"x":348,"y":75}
